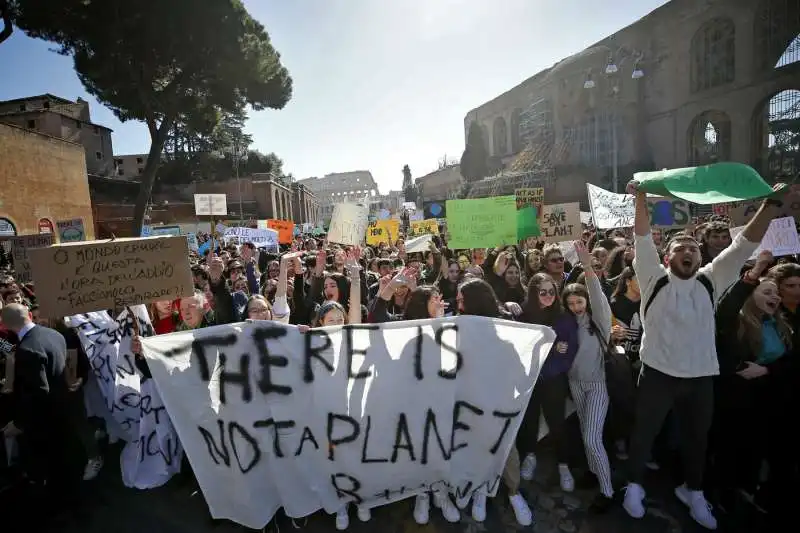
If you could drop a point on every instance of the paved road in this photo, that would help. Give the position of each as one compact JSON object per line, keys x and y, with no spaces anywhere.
{"x":177,"y":508}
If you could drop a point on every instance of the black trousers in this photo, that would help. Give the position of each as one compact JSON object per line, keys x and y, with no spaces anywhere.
{"x":549,"y":397}
{"x":692,"y":400}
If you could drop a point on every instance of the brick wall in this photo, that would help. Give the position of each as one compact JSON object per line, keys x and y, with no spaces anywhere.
{"x":42,"y":177}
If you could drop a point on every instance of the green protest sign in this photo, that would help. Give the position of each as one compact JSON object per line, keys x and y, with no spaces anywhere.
{"x":527,"y":222}
{"x":709,"y":184}
{"x":482,"y":222}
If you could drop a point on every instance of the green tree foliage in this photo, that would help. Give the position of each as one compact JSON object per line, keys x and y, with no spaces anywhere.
{"x":474,"y":160}
{"x":5,"y":18}
{"x":163,"y":62}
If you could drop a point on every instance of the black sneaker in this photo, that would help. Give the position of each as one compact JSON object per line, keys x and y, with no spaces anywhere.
{"x":601,"y":504}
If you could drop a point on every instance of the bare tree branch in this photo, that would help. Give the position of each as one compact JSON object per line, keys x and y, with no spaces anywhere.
{"x":5,"y":13}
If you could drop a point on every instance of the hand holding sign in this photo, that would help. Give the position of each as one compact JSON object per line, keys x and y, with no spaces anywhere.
{"x":216,"y":266}
{"x":632,"y":187}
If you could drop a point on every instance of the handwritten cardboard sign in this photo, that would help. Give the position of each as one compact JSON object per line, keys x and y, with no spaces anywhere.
{"x":285,"y":229}
{"x":482,"y":222}
{"x":530,"y":197}
{"x":97,"y":275}
{"x":348,"y":224}
{"x":561,"y":222}
{"x":368,"y":413}
{"x":781,"y":238}
{"x":429,"y":226}
{"x":71,"y":230}
{"x":20,"y":246}
{"x":210,"y":204}
{"x":385,"y":231}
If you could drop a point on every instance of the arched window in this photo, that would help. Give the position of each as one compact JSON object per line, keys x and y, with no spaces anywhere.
{"x":709,"y":138}
{"x":777,"y":132}
{"x":485,"y":133}
{"x":713,"y":54}
{"x":499,"y":137}
{"x":777,"y":34}
{"x":516,"y":142}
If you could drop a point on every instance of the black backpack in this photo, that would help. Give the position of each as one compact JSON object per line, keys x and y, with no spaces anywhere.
{"x":662,"y":282}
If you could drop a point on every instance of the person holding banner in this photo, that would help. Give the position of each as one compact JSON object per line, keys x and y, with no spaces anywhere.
{"x":678,"y":350}
{"x":476,"y":297}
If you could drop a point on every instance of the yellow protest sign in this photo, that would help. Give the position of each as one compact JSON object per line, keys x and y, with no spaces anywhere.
{"x":382,"y":231}
{"x":424,"y":227}
{"x":533,"y":197}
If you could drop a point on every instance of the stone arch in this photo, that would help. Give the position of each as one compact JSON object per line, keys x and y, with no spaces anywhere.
{"x":709,"y":138}
{"x":486,"y":139}
{"x":516,"y":136}
{"x":713,"y":54}
{"x":776,"y":34}
{"x":776,"y":135}
{"x":499,"y":137}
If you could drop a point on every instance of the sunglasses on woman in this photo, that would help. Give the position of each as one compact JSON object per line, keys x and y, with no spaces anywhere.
{"x":547,"y":292}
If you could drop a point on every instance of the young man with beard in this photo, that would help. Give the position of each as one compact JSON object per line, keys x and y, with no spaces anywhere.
{"x":678,"y":349}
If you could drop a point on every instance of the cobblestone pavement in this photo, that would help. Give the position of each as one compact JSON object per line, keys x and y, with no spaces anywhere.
{"x":177,"y":508}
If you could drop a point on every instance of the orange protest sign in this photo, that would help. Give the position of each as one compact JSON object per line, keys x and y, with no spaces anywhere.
{"x":285,"y":229}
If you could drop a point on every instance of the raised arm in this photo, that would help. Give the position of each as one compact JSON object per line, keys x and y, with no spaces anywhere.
{"x":354,"y":273}
{"x":646,"y":262}
{"x":601,"y":310}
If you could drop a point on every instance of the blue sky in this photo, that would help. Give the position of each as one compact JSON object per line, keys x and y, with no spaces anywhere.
{"x":377,"y":83}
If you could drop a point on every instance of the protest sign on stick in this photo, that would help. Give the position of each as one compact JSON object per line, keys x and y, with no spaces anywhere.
{"x":348,"y":224}
{"x":374,"y":413}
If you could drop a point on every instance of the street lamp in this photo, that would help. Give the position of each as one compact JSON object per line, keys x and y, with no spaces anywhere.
{"x":238,"y":154}
{"x":611,"y":71}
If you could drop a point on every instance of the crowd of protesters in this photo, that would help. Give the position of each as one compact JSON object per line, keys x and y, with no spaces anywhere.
{"x":667,"y":341}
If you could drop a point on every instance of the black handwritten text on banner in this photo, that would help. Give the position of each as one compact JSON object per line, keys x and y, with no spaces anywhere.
{"x":130,"y":405}
{"x":371,"y":414}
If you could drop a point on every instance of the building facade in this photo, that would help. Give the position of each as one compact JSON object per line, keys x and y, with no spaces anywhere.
{"x":340,"y":187}
{"x":44,"y":181}
{"x":440,"y":185}
{"x":130,"y":166}
{"x":693,"y":82}
{"x":67,"y":120}
{"x":305,"y":206}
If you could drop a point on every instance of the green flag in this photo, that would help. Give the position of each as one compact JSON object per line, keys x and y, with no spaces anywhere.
{"x":710,"y":184}
{"x":528,"y":223}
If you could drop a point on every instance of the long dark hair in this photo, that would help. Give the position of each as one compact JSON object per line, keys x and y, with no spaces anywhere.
{"x":417,"y":303}
{"x":622,"y":282}
{"x":576,"y":289}
{"x":343,"y":284}
{"x":532,"y":311}
{"x":479,"y":298}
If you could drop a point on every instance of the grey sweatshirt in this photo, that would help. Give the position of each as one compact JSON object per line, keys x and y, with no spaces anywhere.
{"x":588,"y":364}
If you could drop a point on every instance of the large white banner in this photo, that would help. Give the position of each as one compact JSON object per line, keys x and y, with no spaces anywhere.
{"x":610,"y":209}
{"x":271,"y":417}
{"x":133,"y":409}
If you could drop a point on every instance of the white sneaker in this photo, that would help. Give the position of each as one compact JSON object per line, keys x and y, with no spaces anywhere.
{"x":449,"y":511}
{"x":478,"y":506}
{"x":699,"y":508}
{"x":528,"y":467}
{"x":522,"y":511}
{"x":634,"y":495}
{"x":422,"y":509}
{"x":364,"y":514}
{"x":565,"y":478}
{"x":93,"y":468}
{"x":342,"y":519}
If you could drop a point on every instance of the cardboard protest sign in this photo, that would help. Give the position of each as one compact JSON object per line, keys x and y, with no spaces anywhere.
{"x":561,"y":222}
{"x":20,"y":246}
{"x":429,"y":226}
{"x":129,"y":403}
{"x":781,"y":238}
{"x":382,"y":231}
{"x":71,"y":230}
{"x":741,"y":212}
{"x":348,"y":224}
{"x":371,"y":414}
{"x":210,"y":204}
{"x":482,"y":222}
{"x":285,"y":229}
{"x":530,"y":197}
{"x":90,"y":276}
